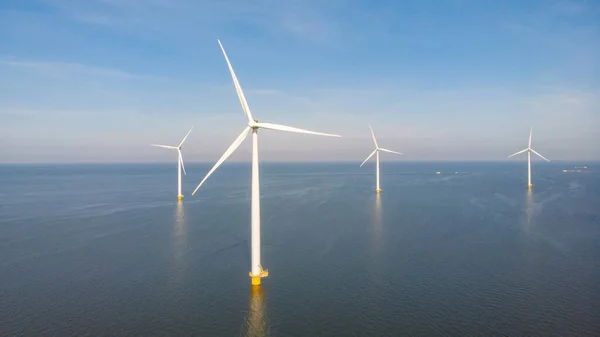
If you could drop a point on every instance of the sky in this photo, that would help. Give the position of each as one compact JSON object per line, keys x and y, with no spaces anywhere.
{"x":99,"y":80}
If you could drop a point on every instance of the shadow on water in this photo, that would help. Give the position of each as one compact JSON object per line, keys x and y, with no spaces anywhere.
{"x":256,"y":323}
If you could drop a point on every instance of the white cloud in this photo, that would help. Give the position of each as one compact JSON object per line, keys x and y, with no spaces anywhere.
{"x":459,"y":124}
{"x":569,"y":7}
{"x":301,"y":19}
{"x":263,"y":91}
{"x":483,"y":120}
{"x":67,"y":69}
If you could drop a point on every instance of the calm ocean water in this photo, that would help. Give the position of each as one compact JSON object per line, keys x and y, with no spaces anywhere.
{"x":107,"y":250}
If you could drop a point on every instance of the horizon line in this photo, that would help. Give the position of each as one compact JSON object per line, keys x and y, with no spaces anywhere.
{"x":291,"y":162}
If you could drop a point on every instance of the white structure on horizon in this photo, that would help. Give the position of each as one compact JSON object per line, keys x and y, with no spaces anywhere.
{"x":179,"y":162}
{"x":376,"y":151}
{"x":253,"y":126}
{"x":529,"y":151}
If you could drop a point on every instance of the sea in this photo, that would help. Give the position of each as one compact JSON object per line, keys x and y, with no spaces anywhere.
{"x":446,"y":249}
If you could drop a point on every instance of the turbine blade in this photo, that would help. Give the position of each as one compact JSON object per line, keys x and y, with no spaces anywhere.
{"x":390,"y":151}
{"x":279,"y":127}
{"x":514,"y":154}
{"x":238,"y":89}
{"x":184,"y":138}
{"x":225,"y":155}
{"x":369,"y":157}
{"x":181,"y":161}
{"x":373,"y":134}
{"x":165,"y":146}
{"x":532,"y":150}
{"x":530,"y":133}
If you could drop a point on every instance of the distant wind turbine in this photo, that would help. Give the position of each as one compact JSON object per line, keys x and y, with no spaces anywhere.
{"x":257,"y":271}
{"x":529,"y":150}
{"x":376,"y":151}
{"x":179,"y":162}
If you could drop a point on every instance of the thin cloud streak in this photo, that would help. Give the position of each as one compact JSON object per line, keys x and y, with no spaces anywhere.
{"x":67,"y":68}
{"x":431,"y":85}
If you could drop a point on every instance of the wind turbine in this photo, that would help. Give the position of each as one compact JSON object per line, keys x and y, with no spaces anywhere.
{"x":529,"y":150}
{"x":376,"y":151}
{"x":257,"y":271}
{"x":179,"y":162}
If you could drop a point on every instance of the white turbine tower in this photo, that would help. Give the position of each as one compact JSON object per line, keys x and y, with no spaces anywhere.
{"x":179,"y":162}
{"x":529,"y":150}
{"x":253,"y":126}
{"x":376,"y":151}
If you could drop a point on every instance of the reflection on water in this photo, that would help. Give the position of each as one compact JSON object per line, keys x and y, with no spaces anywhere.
{"x":439,"y":264}
{"x":256,"y":322}
{"x":534,"y":228}
{"x":375,"y":256}
{"x":377,"y":218}
{"x":179,"y":242}
{"x":529,"y":208}
{"x":179,"y":220}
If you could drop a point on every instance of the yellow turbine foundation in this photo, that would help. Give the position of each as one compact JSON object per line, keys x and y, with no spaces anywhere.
{"x":179,"y":197}
{"x":256,"y":278}
{"x":529,"y":186}
{"x":378,"y":191}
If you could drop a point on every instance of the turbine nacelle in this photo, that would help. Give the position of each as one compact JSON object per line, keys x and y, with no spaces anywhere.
{"x":253,"y":124}
{"x":377,"y":148}
{"x":178,"y":148}
{"x":529,"y":149}
{"x":376,"y":151}
{"x":180,"y":164}
{"x":257,"y":272}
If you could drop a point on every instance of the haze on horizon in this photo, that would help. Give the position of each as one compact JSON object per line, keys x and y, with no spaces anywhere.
{"x":99,"y":80}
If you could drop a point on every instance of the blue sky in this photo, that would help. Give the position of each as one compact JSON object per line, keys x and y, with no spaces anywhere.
{"x":98,"y":80}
